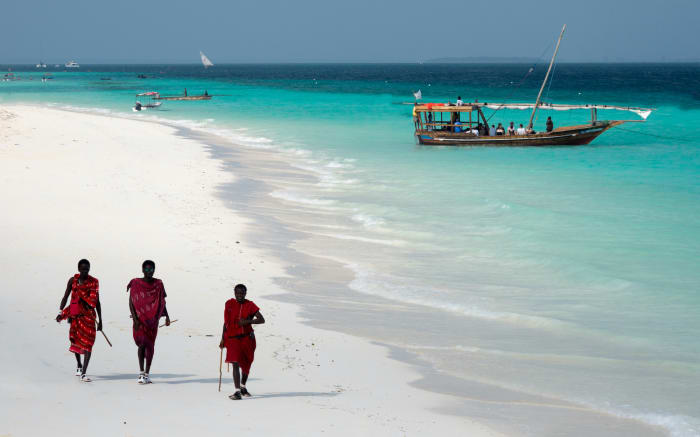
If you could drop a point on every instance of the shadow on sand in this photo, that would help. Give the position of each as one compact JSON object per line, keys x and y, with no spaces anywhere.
{"x":164,"y":378}
{"x":134,"y":376}
{"x":294,"y":394}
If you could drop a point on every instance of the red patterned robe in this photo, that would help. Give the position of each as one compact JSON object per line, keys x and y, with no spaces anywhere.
{"x":81,"y":314}
{"x":148,"y":300}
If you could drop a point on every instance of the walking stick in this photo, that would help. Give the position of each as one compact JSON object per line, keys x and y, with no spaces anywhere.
{"x":221,"y":360}
{"x":108,"y":342}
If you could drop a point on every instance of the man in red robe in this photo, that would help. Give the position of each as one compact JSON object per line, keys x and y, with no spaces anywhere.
{"x":238,"y":337}
{"x":83,"y":290}
{"x":147,"y":306}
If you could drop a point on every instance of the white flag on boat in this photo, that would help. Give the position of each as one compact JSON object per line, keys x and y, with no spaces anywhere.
{"x":418,"y":95}
{"x":207,"y":63}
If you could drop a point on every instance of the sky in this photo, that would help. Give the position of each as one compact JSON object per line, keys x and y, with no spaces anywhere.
{"x":233,"y":31}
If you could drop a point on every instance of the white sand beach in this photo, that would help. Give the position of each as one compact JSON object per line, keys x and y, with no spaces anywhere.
{"x":118,"y":191}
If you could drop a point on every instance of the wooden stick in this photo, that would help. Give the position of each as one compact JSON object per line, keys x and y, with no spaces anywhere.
{"x":108,"y":342}
{"x":171,"y":322}
{"x":221,"y":360}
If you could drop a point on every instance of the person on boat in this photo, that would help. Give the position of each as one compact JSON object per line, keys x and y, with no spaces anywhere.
{"x":206,"y":93}
{"x":238,"y":337}
{"x":492,"y":131}
{"x":500,"y":131}
{"x":459,"y":101}
{"x":475,"y":131}
{"x":521,"y":130}
{"x":84,"y":305}
{"x":185,"y":92}
{"x":550,"y":124}
{"x":511,"y":129}
{"x":454,"y":118}
{"x":483,"y":130}
{"x":458,"y":126}
{"x":147,"y":305}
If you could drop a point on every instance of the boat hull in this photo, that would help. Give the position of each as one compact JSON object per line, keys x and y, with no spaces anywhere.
{"x":566,"y":136}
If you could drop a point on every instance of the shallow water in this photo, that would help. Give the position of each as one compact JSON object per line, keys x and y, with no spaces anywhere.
{"x":569,"y":273}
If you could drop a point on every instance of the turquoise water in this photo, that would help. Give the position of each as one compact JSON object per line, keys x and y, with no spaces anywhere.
{"x":592,"y":251}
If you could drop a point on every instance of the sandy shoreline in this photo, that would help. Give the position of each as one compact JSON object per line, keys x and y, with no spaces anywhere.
{"x":117,"y":191}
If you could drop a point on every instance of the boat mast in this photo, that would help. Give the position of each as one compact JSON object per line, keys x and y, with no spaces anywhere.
{"x":546,"y":76}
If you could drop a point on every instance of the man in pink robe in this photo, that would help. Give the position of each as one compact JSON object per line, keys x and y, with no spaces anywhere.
{"x":147,"y":305}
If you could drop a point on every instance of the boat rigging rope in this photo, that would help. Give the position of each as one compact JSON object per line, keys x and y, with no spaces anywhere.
{"x":665,"y":137}
{"x":529,"y":72}
{"x":554,"y":68}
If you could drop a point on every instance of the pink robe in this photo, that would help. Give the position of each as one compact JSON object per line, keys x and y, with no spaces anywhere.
{"x":148,"y":300}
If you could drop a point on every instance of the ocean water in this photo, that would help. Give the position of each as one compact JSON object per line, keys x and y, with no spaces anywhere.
{"x":570,"y":274}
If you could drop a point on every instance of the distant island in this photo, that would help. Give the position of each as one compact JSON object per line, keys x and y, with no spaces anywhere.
{"x":480,"y":60}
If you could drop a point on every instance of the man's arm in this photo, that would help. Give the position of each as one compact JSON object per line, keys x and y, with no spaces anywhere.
{"x":257,"y":319}
{"x":223,"y":333}
{"x":98,"y":307}
{"x":67,"y":293}
{"x":69,"y":286}
{"x":167,"y":317}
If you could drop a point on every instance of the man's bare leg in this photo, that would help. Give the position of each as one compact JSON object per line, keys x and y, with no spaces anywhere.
{"x":142,"y":357}
{"x":236,"y":382}
{"x":86,"y":361}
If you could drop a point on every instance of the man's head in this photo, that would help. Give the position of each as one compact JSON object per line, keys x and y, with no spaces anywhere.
{"x":148,"y":268}
{"x":521,"y":125}
{"x":240,"y":291}
{"x":459,"y":97}
{"x":84,"y":267}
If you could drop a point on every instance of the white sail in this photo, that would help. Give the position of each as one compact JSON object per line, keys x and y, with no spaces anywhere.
{"x":642,"y":112}
{"x":205,"y":61}
{"x":418,"y":95}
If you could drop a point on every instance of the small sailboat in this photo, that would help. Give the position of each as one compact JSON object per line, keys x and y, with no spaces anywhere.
{"x":41,"y":64}
{"x":205,"y":61}
{"x":72,"y":64}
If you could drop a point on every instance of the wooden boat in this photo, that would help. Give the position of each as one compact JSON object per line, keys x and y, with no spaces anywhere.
{"x":438,"y":124}
{"x":200,"y":97}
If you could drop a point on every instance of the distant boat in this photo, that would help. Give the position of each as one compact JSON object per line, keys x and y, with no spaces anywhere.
{"x":205,"y":61}
{"x":72,"y":64}
{"x":9,"y":76}
{"x":41,"y":64}
{"x":146,"y":101}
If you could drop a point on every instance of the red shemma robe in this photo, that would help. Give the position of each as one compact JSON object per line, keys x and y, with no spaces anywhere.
{"x":240,"y":342}
{"x":149,"y":303}
{"x":81,"y":314}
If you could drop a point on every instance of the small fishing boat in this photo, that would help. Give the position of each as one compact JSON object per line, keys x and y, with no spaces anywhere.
{"x":205,"y":96}
{"x":72,"y":64}
{"x":9,"y":76}
{"x":146,"y":101}
{"x":41,"y":64}
{"x":439,"y":124}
